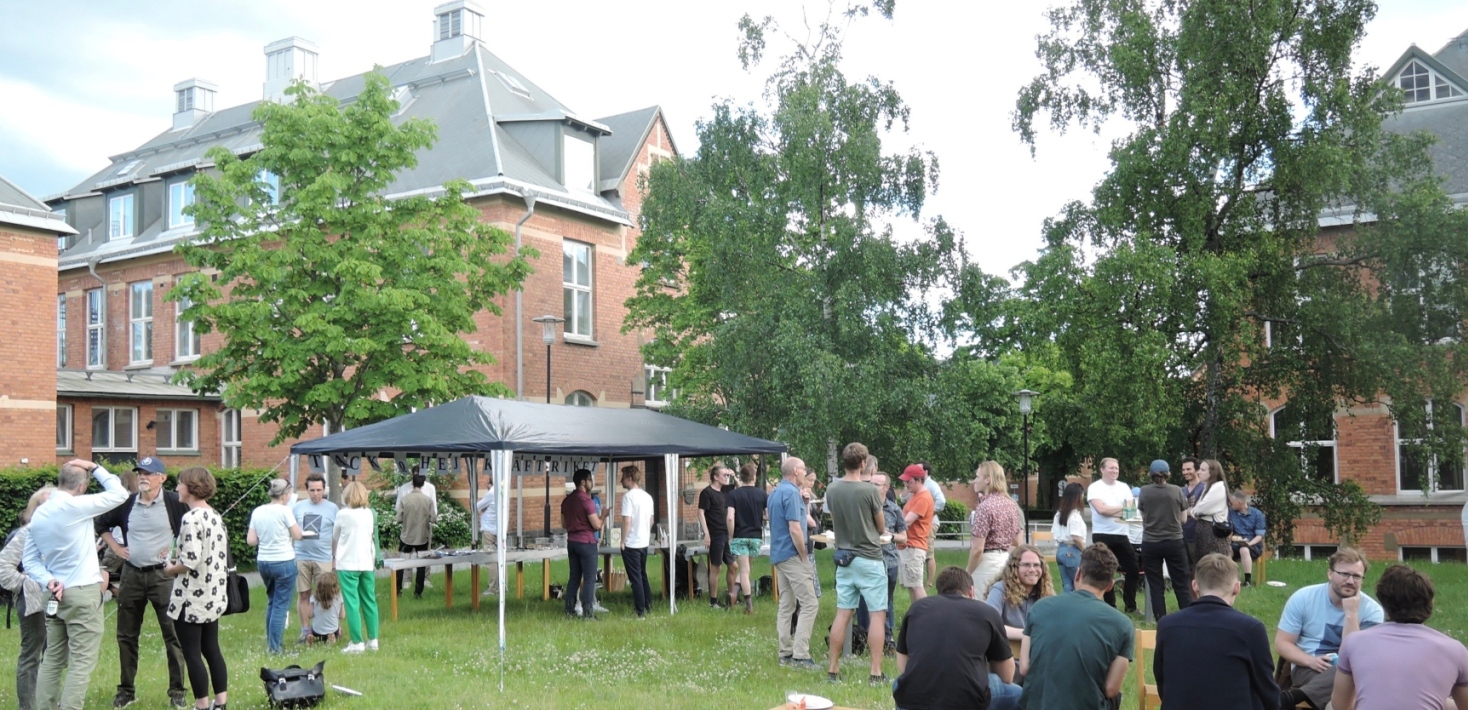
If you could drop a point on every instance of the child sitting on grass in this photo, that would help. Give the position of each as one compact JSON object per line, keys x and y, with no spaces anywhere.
{"x":326,"y":610}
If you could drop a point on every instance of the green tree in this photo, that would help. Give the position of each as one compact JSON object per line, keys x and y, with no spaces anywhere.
{"x":337,"y":304}
{"x":773,"y":281}
{"x":1240,"y":125}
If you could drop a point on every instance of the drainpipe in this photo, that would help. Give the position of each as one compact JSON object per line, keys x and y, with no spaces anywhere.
{"x":92,"y":267}
{"x":520,"y":304}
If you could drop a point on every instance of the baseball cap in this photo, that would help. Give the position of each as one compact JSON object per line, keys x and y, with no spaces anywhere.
{"x":150,"y":465}
{"x":1160,"y":467}
{"x":912,"y":472}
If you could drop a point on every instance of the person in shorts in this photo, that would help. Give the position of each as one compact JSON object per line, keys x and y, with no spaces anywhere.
{"x":856,"y":515}
{"x":747,"y":508}
{"x":918,"y":514}
{"x":317,"y":517}
{"x":714,"y":514}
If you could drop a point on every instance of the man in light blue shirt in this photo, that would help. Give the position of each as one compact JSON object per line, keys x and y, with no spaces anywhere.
{"x":61,"y":555}
{"x":793,"y":572}
{"x":1316,"y":620}
{"x":314,"y":551}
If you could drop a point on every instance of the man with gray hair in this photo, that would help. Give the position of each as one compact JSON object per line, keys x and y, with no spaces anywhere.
{"x":793,"y":571}
{"x":61,"y":555}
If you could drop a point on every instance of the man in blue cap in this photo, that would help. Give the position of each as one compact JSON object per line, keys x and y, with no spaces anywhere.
{"x":1162,"y":505}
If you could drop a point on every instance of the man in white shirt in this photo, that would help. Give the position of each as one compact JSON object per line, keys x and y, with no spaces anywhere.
{"x":61,"y":555}
{"x":939,"y":503}
{"x":637,"y":509}
{"x":489,"y":528}
{"x":1109,"y":498}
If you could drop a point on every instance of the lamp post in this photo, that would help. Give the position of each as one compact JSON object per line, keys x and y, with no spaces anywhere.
{"x":1026,"y":405}
{"x":548,"y":323}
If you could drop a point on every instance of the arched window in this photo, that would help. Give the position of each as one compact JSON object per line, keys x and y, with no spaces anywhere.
{"x":580,"y":398}
{"x":1312,"y":434}
{"x":1422,"y":84}
{"x":1419,"y":470}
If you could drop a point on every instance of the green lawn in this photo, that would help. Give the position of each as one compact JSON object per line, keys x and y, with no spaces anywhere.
{"x":446,"y":658}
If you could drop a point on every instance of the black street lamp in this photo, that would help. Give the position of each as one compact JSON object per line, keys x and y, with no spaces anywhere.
{"x":548,"y":323}
{"x":1026,"y":405}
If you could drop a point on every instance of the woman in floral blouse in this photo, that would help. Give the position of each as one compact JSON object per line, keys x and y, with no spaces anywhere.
{"x":199,"y":597}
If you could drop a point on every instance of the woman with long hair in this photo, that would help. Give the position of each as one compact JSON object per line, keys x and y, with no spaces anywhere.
{"x":30,"y":598}
{"x":356,"y":556}
{"x":1211,"y":508}
{"x":199,"y":594}
{"x":995,"y":525}
{"x":1069,"y":530}
{"x":274,"y":530}
{"x":1026,"y":580}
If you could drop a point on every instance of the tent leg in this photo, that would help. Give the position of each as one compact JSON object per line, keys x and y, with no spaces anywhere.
{"x":474,"y":587}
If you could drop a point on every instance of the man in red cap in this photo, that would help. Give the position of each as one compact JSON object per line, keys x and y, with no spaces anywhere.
{"x":918,"y":514}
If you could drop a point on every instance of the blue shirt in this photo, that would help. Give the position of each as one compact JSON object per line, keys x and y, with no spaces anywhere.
{"x":1318,"y":623}
{"x":1247,"y":524}
{"x":63,"y":545}
{"x":785,"y":506}
{"x":318,"y":518}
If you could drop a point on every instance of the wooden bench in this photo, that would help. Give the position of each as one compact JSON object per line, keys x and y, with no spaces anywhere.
{"x":1147,"y":692}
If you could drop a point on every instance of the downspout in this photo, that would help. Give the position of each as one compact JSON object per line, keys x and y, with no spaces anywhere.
{"x":92,"y":267}
{"x":520,"y":304}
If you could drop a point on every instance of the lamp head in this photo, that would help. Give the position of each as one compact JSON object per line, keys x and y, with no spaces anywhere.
{"x":1026,"y":401}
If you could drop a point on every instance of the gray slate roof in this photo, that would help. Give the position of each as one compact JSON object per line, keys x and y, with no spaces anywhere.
{"x":19,"y":208}
{"x":1446,"y":119}
{"x":469,"y":99}
{"x":132,"y":385}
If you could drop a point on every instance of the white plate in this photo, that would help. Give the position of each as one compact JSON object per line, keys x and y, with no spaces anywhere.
{"x":1275,"y":583}
{"x":812,"y":702}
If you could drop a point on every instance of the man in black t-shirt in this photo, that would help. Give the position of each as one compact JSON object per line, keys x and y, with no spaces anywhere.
{"x":949,"y":646}
{"x":714,"y":514}
{"x":748,"y":503}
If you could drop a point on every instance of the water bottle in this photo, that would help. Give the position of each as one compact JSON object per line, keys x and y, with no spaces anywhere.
{"x":52,"y":606}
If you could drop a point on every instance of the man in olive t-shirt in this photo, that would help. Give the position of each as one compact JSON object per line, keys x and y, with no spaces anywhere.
{"x":856,"y":515}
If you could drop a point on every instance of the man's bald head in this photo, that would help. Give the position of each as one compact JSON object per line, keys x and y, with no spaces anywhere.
{"x":792,"y":469}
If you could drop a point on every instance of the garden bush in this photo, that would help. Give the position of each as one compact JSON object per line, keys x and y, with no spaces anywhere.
{"x":955,"y":510}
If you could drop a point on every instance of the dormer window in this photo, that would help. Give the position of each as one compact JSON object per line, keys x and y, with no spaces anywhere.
{"x":1423,"y":84}
{"x":579,"y":169}
{"x":451,"y":24}
{"x":120,"y":216}
{"x":180,"y":195}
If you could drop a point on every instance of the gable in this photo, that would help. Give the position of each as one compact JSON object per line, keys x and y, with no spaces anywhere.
{"x":1423,"y":78}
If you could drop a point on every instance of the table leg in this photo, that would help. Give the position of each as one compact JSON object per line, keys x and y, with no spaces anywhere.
{"x":393,"y":585}
{"x":665,"y":591}
{"x":474,"y":587}
{"x":691,"y":584}
{"x":606,"y":571}
{"x":519,"y":580}
{"x":545,"y":580}
{"x":448,"y":586}
{"x":774,"y":584}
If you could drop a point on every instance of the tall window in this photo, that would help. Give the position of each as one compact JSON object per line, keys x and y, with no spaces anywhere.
{"x":120,"y":216}
{"x":178,"y":430}
{"x":1422,"y":84}
{"x":63,"y":427}
{"x":1312,"y":434}
{"x":229,"y":439}
{"x":272,"y":186}
{"x":140,"y":321}
{"x":180,"y":195}
{"x":97,"y":328}
{"x":114,"y":429}
{"x":185,"y":338}
{"x":61,"y":330}
{"x":1421,"y":470}
{"x":580,"y":399}
{"x":658,"y":393}
{"x":576,"y":283}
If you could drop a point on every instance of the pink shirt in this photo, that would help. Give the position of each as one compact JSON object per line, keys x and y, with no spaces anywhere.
{"x":1403,"y":666}
{"x":996,"y":519}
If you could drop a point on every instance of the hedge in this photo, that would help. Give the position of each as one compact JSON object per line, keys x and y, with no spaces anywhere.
{"x":954,"y":510}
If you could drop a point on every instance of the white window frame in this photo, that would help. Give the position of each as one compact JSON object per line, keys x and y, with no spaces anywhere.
{"x":1301,"y":444}
{"x":1437,"y":87}
{"x":231,"y":438}
{"x":111,"y":444}
{"x":61,"y":330}
{"x":187,"y":342}
{"x":272,"y":185}
{"x":121,"y":216}
{"x":96,"y":321}
{"x":140,"y":323}
{"x":1431,"y":465}
{"x":173,"y":429}
{"x":577,"y":287}
{"x":450,"y":24}
{"x":1435,"y":549}
{"x":64,"y":428}
{"x":578,"y":163}
{"x":656,"y":383}
{"x":180,"y":195}
{"x":582,"y":399}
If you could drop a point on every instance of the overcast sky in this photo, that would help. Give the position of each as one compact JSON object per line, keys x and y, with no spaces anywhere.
{"x":86,"y":80}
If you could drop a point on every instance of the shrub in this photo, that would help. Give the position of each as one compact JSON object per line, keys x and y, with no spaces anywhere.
{"x":955,"y":510}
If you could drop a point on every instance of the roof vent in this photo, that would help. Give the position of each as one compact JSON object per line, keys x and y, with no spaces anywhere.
{"x":456,"y":28}
{"x":195,"y":100}
{"x":285,"y":61}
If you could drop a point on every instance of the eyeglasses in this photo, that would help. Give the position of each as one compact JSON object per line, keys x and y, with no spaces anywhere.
{"x":1349,"y":576}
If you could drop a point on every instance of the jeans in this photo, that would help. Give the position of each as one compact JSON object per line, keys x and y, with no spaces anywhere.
{"x":863,"y":618}
{"x":1002,"y":696}
{"x":583,"y":577}
{"x":1126,"y":559}
{"x":359,"y":599}
{"x":73,"y":638}
{"x":201,"y":652}
{"x":1068,"y":558}
{"x":1175,"y":554}
{"x":32,"y":646}
{"x":141,"y":589}
{"x":635,"y":560}
{"x":280,"y":588}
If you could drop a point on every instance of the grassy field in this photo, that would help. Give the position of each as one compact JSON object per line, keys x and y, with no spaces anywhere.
{"x":434,"y":657}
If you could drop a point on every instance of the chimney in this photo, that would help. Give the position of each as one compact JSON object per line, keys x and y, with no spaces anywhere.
{"x":455,"y":29}
{"x":195,"y":101}
{"x":285,"y":61}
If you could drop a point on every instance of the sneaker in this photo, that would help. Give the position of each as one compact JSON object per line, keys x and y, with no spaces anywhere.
{"x":785,"y":660}
{"x":372,"y":644}
{"x":598,"y":608}
{"x":642,"y":616}
{"x":489,"y":592}
{"x":578,"y":608}
{"x":804,"y":664}
{"x":123,"y":699}
{"x":355,"y":648}
{"x":879,"y":681}
{"x":833,"y":677}
{"x":176,"y":699}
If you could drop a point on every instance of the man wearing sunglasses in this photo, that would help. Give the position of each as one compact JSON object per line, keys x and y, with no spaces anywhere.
{"x":1316,"y":620}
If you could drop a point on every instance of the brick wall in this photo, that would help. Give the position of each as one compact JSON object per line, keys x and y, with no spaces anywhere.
{"x":28,"y":378}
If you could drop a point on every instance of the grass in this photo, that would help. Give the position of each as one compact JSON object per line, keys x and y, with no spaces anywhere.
{"x":434,"y":657}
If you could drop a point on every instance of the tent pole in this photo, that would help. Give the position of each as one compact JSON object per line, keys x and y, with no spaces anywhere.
{"x":501,"y":461}
{"x":670,"y":477}
{"x":472,"y":473}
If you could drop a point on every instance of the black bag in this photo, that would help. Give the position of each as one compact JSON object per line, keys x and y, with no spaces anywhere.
{"x":844,"y":558}
{"x":236,"y":588}
{"x":1222,"y":528}
{"x":294,"y":686}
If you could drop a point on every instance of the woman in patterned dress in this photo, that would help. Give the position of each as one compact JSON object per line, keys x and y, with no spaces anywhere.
{"x":199,"y":596}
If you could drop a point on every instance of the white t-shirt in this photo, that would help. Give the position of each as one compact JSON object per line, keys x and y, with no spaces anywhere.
{"x":487,"y":512}
{"x":637,"y":504}
{"x":272,"y":525}
{"x":939,"y":501}
{"x":356,"y":540}
{"x":1113,"y":494}
{"x":1075,"y":527}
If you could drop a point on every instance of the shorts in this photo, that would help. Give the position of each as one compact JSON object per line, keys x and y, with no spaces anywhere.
{"x":862,"y":579}
{"x":911,"y":566}
{"x":746,"y":546}
{"x":308,"y":572}
{"x":719,"y":553}
{"x":1254,"y":550}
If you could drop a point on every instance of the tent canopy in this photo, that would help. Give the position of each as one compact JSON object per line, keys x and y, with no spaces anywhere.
{"x":483,"y":424}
